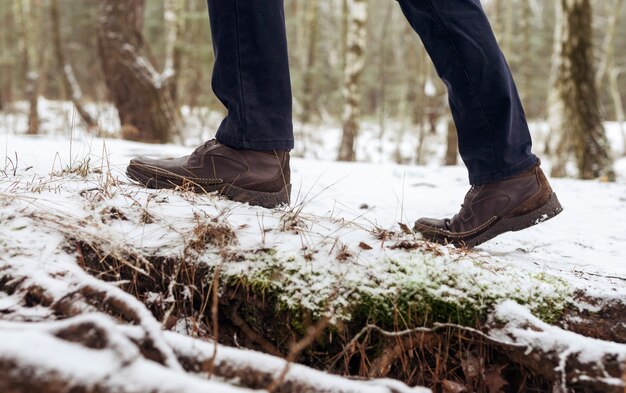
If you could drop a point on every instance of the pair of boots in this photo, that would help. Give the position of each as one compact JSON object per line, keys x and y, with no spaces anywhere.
{"x":263,"y":178}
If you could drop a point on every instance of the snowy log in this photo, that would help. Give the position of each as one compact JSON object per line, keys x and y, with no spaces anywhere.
{"x":571,"y":360}
{"x":92,"y":353}
{"x":86,"y":354}
{"x":258,"y":370}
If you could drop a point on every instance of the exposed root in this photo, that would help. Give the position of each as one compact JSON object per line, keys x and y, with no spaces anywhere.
{"x":251,"y":334}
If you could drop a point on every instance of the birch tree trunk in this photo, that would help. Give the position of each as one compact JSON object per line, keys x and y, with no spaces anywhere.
{"x":574,"y":102}
{"x":355,"y":62}
{"x":72,"y":88}
{"x":140,"y":94}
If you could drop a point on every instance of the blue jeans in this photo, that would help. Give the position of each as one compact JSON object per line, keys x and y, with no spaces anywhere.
{"x":251,"y":78}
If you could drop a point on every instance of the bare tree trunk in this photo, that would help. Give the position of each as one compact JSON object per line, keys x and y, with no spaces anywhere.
{"x":608,"y":70}
{"x":355,"y":62}
{"x":308,"y":99}
{"x":608,"y":48}
{"x":6,"y":68}
{"x":509,"y":25}
{"x":525,"y":67}
{"x":345,"y":21}
{"x":72,"y":88}
{"x":421,"y":106}
{"x":496,"y":19}
{"x":411,"y":88}
{"x":452,"y":145}
{"x":27,"y":11}
{"x":575,"y":108}
{"x":140,"y":94}
{"x":617,"y":102}
{"x":383,"y":61}
{"x":174,"y":26}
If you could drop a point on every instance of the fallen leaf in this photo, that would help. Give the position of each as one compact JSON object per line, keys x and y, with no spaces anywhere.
{"x":405,"y":228}
{"x":494,"y":381}
{"x":364,"y":246}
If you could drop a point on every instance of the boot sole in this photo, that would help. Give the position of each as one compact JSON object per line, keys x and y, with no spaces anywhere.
{"x":255,"y":198}
{"x":549,"y":210}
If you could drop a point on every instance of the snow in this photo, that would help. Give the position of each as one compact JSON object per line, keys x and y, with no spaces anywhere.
{"x":32,"y":347}
{"x":43,"y":197}
{"x":529,"y":331}
{"x":589,"y":349}
{"x":273,"y":365}
{"x":584,"y":245}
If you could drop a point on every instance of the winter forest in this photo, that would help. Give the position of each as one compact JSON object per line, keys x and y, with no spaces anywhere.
{"x":110,"y":286}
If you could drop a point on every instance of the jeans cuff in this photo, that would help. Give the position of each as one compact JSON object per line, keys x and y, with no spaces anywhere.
{"x":235,"y":143}
{"x":526,"y":165}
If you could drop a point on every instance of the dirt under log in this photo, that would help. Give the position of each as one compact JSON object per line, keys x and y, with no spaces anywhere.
{"x":457,"y":355}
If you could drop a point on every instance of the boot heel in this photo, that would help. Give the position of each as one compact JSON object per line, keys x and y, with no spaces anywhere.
{"x":549,"y":210}
{"x":268,"y":200}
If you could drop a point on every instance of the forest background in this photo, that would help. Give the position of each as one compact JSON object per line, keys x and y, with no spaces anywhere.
{"x":58,"y":49}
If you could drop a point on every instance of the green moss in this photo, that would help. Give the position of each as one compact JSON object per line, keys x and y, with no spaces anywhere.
{"x":415,"y":291}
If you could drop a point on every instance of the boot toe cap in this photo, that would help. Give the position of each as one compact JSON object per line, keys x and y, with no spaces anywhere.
{"x":430,"y":223}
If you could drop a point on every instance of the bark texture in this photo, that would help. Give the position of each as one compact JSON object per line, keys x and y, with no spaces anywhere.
{"x":140,"y":93}
{"x":574,"y":100}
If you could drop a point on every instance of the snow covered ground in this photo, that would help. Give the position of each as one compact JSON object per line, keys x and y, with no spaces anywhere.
{"x":326,"y":240}
{"x":585,"y":244}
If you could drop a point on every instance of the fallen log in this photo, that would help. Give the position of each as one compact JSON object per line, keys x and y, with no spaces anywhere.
{"x":574,"y":362}
{"x":93,"y":353}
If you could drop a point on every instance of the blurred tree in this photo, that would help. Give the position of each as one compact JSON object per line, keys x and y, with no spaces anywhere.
{"x":140,"y":93}
{"x":391,"y":83}
{"x":308,"y":93}
{"x":6,"y":63}
{"x":355,"y":62}
{"x":574,"y":102}
{"x":608,"y":70}
{"x":66,"y":71}
{"x":28,"y":13}
{"x":452,"y":144}
{"x":174,"y":29}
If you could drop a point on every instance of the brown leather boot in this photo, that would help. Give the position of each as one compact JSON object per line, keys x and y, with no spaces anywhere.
{"x":492,"y":209}
{"x":260,"y":178}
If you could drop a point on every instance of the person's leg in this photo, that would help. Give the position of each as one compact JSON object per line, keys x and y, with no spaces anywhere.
{"x":249,"y":160}
{"x":251,"y":73}
{"x":494,"y":140}
{"x":510,"y":192}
